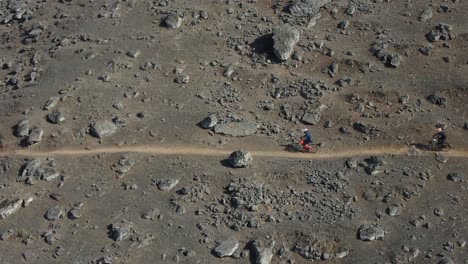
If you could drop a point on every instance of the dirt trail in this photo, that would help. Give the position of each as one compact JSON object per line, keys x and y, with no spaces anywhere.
{"x":203,"y":151}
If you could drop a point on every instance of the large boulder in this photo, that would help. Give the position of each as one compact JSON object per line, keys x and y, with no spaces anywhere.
{"x":226,"y":248}
{"x":102,"y":129}
{"x":35,"y":136}
{"x":8,"y":207}
{"x":240,"y":159}
{"x":22,"y":128}
{"x":209,"y":121}
{"x":236,"y":129}
{"x":262,"y":251}
{"x":371,"y":232}
{"x":311,"y":118}
{"x":284,"y":39}
{"x":306,"y":7}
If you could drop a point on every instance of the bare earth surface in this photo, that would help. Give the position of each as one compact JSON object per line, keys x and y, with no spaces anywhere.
{"x":119,"y":118}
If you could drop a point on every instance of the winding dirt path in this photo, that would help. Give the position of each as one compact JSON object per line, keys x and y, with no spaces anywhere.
{"x":203,"y":151}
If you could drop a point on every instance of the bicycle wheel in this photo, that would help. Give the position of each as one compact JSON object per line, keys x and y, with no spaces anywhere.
{"x":446,"y":147}
{"x":314,"y":149}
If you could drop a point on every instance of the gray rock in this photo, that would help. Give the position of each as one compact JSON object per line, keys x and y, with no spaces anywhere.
{"x":240,"y":159}
{"x":438,"y":100}
{"x":441,"y":157}
{"x":351,"y":10}
{"x":56,"y":117}
{"x":134,"y":53}
{"x":394,"y":60}
{"x":51,"y":103}
{"x":394,"y":210}
{"x":35,"y":136}
{"x":352,"y":163}
{"x":371,"y":232}
{"x":333,"y":69}
{"x":9,"y":206}
{"x":47,"y":173}
{"x":343,"y":24}
{"x":366,"y":128}
{"x":446,"y":261}
{"x":151,"y":213}
{"x":262,"y":251}
{"x":209,"y":122}
{"x":53,"y":213}
{"x":456,"y":177}
{"x":306,"y":7}
{"x":285,"y":38}
{"x":22,"y":128}
{"x":102,"y":129}
{"x":226,"y":248}
{"x":426,"y":14}
{"x":236,"y":129}
{"x":173,"y":21}
{"x":166,"y":184}
{"x":121,"y":231}
{"x":465,"y":126}
{"x":311,"y":118}
{"x":74,"y":213}
{"x":29,"y":169}
{"x":182,"y":79}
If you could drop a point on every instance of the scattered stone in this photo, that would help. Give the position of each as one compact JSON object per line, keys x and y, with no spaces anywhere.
{"x":394,"y":210}
{"x":134,"y":53}
{"x":123,"y":165}
{"x":441,"y":157}
{"x":236,"y":129}
{"x":53,"y":213}
{"x":343,"y":24}
{"x":226,"y":248}
{"x":209,"y":122}
{"x":351,"y":10}
{"x":151,"y":214}
{"x":446,"y":261}
{"x":74,"y":213}
{"x":51,"y":103}
{"x":121,"y":231}
{"x":166,"y":184}
{"x":455,"y":177}
{"x":438,"y":100}
{"x":22,"y":128}
{"x":440,"y":32}
{"x":284,"y":39}
{"x":35,"y":136}
{"x":311,"y":118}
{"x":240,"y":159}
{"x":352,"y":163}
{"x":173,"y":21}
{"x":230,"y":69}
{"x":371,"y":232}
{"x":333,"y":69}
{"x":426,"y":14}
{"x":306,"y":7}
{"x":9,"y":206}
{"x":56,"y":117}
{"x":366,"y":128}
{"x":102,"y":129}
{"x":182,"y":79}
{"x":262,"y":251}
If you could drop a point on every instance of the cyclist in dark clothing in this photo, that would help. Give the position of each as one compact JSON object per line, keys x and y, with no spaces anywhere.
{"x":440,"y":137}
{"x":307,"y":136}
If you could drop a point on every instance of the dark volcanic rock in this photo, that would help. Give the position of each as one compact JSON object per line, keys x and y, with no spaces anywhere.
{"x":438,"y":100}
{"x":209,"y":122}
{"x":240,"y":159}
